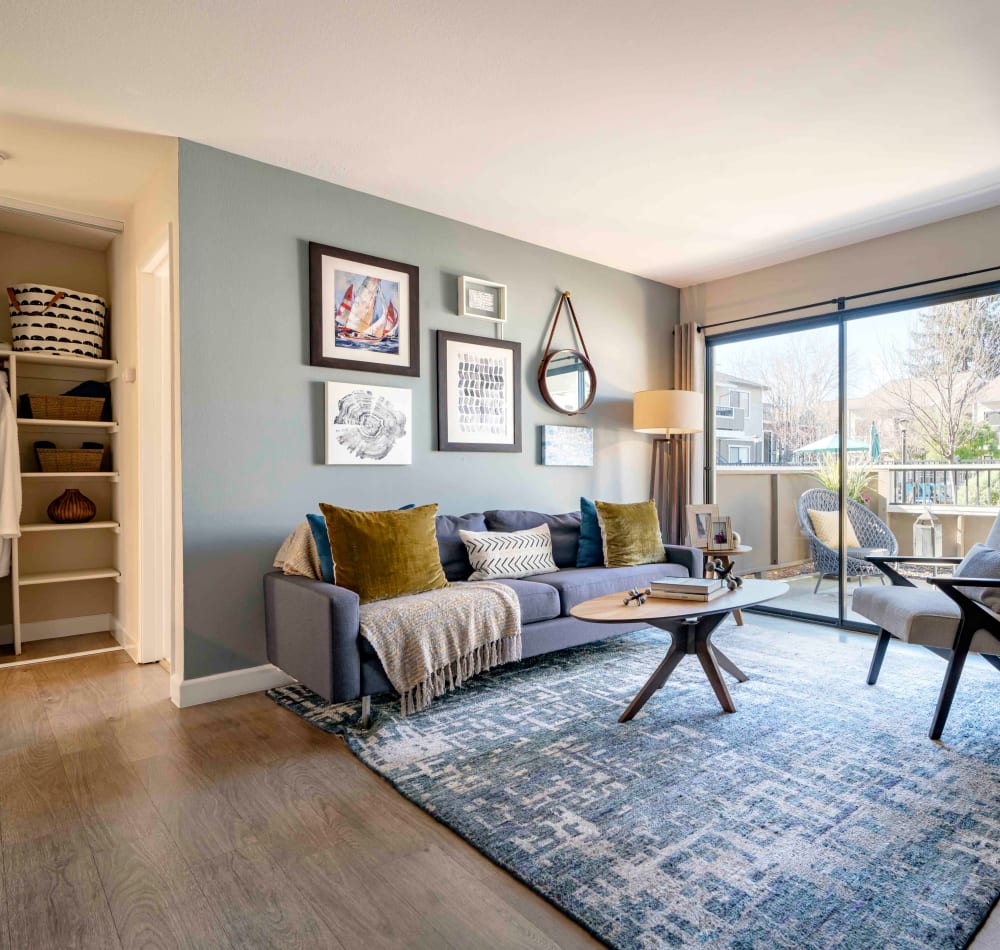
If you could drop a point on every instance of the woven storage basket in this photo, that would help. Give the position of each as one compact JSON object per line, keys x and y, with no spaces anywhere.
{"x":69,"y":408}
{"x":70,"y":460}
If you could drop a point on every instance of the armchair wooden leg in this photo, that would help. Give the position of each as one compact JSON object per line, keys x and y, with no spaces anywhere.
{"x":950,"y":684}
{"x":880,"y":647}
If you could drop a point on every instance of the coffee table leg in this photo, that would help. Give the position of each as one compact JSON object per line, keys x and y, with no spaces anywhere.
{"x":674,"y":655}
{"x":728,"y":665}
{"x":714,"y":674}
{"x":738,"y":617}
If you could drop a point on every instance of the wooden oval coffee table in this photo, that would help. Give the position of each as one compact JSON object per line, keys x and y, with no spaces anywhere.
{"x":690,"y":625}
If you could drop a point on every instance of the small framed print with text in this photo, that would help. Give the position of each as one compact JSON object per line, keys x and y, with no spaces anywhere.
{"x":482,"y":298}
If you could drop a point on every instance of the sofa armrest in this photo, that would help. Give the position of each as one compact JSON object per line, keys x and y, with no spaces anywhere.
{"x":312,"y":634}
{"x":691,"y":558}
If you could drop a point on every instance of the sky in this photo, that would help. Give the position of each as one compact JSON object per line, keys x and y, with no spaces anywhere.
{"x":871,"y":342}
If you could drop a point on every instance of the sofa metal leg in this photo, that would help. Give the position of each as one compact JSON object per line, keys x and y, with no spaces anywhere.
{"x":880,"y":647}
{"x":366,"y":712}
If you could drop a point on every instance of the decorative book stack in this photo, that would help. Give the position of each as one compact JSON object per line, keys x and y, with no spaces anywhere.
{"x":701,"y":589}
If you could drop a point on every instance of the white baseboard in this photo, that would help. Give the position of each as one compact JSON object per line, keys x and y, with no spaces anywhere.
{"x":121,"y":635}
{"x":209,"y":689}
{"x":63,"y":627}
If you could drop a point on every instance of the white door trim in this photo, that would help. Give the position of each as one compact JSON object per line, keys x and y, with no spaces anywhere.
{"x":157,"y":481}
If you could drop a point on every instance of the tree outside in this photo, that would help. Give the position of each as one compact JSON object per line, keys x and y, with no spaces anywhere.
{"x":951,"y":357}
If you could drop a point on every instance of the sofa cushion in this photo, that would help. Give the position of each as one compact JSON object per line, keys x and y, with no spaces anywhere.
{"x":927,"y":617}
{"x":537,"y":601}
{"x":631,"y":534}
{"x":564,"y":529}
{"x":454,"y":557}
{"x":321,"y":538}
{"x":382,"y":554}
{"x":509,"y":554}
{"x":591,"y":550}
{"x":577,"y":584}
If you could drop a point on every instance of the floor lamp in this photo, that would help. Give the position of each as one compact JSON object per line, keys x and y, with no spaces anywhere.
{"x":667,"y":413}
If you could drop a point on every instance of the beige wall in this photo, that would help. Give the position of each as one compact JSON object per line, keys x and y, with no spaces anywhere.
{"x":151,"y":220}
{"x":25,"y":258}
{"x":966,"y":243}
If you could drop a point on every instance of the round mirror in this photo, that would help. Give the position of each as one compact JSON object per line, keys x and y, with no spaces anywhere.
{"x":567,"y":381}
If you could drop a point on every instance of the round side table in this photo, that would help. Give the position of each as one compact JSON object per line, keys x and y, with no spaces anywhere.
{"x":727,"y":560}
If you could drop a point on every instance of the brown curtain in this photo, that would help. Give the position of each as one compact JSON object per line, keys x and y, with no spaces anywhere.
{"x":686,"y":453}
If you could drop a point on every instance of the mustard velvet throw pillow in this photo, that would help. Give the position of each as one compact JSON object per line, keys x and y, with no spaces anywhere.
{"x":382,"y":554}
{"x":826,"y":524}
{"x":630,"y":534}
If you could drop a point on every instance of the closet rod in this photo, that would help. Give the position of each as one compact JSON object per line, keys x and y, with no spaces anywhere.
{"x":839,"y":302}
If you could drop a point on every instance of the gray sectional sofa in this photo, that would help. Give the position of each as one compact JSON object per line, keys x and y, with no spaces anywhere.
{"x":313,"y":627}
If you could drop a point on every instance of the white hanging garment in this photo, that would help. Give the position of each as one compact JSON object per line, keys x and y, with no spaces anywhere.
{"x":10,"y":477}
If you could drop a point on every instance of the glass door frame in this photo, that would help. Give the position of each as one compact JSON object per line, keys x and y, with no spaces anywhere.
{"x":839,"y":318}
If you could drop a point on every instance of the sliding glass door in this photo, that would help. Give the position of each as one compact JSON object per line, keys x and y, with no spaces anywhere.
{"x":890,"y":414}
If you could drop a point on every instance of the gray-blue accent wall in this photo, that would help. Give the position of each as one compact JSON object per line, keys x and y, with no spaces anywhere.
{"x":252,"y":417}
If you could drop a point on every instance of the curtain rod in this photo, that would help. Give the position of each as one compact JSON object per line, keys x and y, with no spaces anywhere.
{"x":840,"y":302}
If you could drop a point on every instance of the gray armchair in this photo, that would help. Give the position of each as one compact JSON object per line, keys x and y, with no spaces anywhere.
{"x":872,"y":533}
{"x":951,"y":621}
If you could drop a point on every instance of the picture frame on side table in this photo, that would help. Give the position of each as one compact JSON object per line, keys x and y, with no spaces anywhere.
{"x":364,"y":312}
{"x":699,"y":523}
{"x":482,"y":298}
{"x":721,"y":535}
{"x":479,"y":393}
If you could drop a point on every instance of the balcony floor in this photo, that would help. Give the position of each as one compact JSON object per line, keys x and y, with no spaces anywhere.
{"x":801,"y":598}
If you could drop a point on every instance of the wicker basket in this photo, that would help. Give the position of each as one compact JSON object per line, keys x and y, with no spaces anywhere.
{"x":66,"y":408}
{"x":70,"y":460}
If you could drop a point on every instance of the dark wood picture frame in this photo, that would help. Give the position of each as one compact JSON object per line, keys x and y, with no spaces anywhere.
{"x":319,"y":355}
{"x":444,"y":339}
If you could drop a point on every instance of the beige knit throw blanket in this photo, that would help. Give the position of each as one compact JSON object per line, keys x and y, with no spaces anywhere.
{"x":431,"y":643}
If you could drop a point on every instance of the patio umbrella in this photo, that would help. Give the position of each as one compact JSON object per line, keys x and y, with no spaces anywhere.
{"x":832,"y":444}
{"x":875,"y":446}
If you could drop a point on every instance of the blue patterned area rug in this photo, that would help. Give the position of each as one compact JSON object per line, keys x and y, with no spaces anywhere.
{"x":819,"y":815}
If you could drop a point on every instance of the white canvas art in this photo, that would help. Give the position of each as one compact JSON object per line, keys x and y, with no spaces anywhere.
{"x":368,"y":425}
{"x":481,"y":399}
{"x":567,"y":445}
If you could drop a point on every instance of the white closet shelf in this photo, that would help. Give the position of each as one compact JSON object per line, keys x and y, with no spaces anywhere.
{"x":65,"y":577}
{"x":55,"y":359}
{"x":71,"y":476}
{"x":66,"y":424}
{"x":34,"y":528}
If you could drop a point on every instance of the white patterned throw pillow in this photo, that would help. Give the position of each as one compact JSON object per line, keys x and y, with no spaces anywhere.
{"x":499,"y":554}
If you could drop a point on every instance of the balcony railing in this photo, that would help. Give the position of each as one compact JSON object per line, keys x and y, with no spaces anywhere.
{"x":730,"y":418}
{"x":967,"y":486}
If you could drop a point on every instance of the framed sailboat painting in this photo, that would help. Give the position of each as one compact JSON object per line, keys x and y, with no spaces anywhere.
{"x":364,"y":312}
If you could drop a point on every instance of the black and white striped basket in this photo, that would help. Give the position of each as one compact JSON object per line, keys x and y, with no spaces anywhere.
{"x":56,"y":320}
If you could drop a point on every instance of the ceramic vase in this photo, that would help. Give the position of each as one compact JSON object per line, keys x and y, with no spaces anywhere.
{"x":72,"y":507}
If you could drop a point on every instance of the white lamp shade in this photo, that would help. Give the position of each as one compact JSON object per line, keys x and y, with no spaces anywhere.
{"x":668,"y":411}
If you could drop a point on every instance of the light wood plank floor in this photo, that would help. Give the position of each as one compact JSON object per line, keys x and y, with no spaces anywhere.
{"x":125,"y":822}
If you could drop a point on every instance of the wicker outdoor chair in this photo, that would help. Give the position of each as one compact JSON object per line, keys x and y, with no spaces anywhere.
{"x":871,"y":531}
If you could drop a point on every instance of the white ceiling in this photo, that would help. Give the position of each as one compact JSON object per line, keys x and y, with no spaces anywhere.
{"x":680,"y":140}
{"x":74,"y":167}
